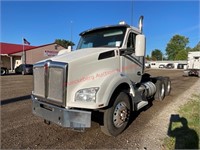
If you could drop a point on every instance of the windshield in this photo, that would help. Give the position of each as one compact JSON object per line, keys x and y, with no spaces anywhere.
{"x":105,"y":37}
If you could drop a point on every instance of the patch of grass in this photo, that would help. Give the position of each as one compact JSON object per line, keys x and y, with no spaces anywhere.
{"x":184,"y":130}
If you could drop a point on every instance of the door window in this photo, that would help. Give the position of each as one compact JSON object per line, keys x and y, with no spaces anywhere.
{"x":131,"y":41}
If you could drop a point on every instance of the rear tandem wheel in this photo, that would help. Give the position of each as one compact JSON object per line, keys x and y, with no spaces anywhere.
{"x":160,"y":89}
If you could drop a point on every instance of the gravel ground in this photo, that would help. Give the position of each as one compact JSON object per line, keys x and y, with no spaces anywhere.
{"x":20,"y":129}
{"x":155,"y":131}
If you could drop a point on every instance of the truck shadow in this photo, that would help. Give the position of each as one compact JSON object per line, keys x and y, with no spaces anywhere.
{"x":16,"y":99}
{"x":185,"y":137}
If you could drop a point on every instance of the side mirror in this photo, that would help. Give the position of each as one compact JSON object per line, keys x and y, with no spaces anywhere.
{"x":140,"y":45}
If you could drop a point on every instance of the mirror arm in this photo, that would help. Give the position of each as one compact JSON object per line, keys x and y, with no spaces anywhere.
{"x":127,"y":51}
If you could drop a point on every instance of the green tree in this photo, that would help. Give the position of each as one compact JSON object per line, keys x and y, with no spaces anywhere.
{"x":157,"y":54}
{"x":64,"y":43}
{"x":182,"y":55}
{"x":153,"y":58}
{"x":147,"y":57}
{"x":188,"y":49}
{"x":176,"y":44}
{"x":197,"y":47}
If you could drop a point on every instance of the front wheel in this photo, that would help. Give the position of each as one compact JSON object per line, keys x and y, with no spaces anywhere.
{"x":117,"y":116}
{"x":3,"y":71}
{"x":23,"y":72}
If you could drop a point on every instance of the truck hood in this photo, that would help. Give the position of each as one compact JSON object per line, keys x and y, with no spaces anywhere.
{"x":77,"y":54}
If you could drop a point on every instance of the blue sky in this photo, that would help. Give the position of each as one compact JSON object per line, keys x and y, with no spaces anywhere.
{"x":41,"y":22}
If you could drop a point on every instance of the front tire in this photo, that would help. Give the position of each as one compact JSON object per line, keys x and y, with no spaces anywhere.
{"x":117,"y":116}
{"x":23,"y":72}
{"x":3,"y":71}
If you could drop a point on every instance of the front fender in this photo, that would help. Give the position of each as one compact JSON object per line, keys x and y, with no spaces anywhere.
{"x":109,"y":86}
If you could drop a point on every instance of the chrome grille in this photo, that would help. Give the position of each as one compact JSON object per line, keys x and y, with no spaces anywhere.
{"x":39,"y":82}
{"x":49,"y":82}
{"x":56,"y":84}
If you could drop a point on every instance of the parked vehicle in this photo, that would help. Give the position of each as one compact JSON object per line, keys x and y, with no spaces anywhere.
{"x":193,"y":65}
{"x":4,"y":71}
{"x":181,"y":66}
{"x":147,"y":65}
{"x":104,"y":75}
{"x":24,"y":69}
{"x":170,"y":66}
{"x":161,"y":66}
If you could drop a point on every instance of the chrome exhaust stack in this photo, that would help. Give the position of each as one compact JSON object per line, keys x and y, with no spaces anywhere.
{"x":140,"y":24}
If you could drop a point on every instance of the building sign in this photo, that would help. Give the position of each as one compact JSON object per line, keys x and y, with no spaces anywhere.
{"x":50,"y":53}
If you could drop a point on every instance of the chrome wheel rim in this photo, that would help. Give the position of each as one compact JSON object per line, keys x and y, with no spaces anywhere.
{"x":168,"y":86}
{"x":162,"y":90}
{"x":120,"y":115}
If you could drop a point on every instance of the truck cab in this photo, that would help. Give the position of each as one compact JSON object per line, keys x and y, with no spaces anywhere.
{"x":193,"y":64}
{"x":105,"y":74}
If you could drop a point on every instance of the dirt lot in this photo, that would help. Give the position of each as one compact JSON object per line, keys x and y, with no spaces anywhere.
{"x":21,"y":130}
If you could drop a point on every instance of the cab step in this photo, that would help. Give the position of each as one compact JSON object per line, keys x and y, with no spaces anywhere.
{"x":141,"y":104}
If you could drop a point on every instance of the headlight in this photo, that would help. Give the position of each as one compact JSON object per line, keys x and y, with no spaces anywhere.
{"x":86,"y":95}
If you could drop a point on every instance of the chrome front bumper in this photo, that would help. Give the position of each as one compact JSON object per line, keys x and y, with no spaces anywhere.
{"x":64,"y":117}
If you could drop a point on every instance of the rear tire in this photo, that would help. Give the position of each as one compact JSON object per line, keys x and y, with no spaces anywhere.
{"x":160,"y":89}
{"x":168,"y":87}
{"x":117,"y":116}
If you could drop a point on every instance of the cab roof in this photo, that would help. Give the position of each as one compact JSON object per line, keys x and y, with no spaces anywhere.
{"x":104,"y":27}
{"x":110,"y":26}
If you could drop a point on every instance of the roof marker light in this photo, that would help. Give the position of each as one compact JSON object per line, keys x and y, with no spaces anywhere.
{"x":122,"y":22}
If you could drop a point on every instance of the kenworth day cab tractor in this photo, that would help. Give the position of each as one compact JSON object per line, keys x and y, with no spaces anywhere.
{"x":193,"y":64}
{"x":104,"y":75}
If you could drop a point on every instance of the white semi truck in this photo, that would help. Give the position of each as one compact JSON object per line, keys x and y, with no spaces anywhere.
{"x":105,"y":76}
{"x":193,"y":64}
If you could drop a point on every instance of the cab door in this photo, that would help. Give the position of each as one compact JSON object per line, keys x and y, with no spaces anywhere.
{"x":132,"y":66}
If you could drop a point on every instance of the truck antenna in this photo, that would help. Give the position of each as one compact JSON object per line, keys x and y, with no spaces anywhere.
{"x":132,"y":12}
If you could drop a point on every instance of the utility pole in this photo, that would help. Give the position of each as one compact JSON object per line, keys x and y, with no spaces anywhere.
{"x":71,"y":31}
{"x":23,"y":57}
